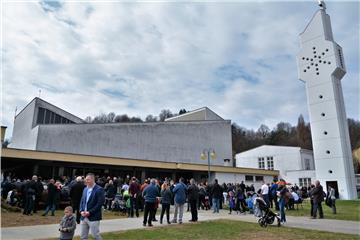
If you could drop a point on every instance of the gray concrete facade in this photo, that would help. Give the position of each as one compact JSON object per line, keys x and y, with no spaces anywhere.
{"x":172,"y":141}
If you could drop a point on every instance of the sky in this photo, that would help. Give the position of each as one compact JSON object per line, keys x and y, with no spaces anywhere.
{"x":237,"y":58}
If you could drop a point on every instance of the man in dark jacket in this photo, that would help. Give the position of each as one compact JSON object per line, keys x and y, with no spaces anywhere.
{"x":317,"y":194}
{"x":150,"y":195}
{"x":91,"y":203}
{"x":216,"y":192}
{"x":38,"y":193}
{"x":134,"y":190}
{"x":193,"y":196}
{"x":30,"y":193}
{"x":76,"y":192}
{"x":51,"y":198}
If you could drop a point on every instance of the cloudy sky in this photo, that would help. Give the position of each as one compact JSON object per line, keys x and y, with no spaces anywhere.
{"x":237,"y":58}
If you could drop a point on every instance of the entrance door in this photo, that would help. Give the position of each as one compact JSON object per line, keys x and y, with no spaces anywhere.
{"x":334,"y":185}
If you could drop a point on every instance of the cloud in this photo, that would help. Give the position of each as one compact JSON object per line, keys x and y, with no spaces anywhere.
{"x":138,"y":58}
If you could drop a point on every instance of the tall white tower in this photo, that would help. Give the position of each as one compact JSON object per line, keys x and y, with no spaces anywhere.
{"x":321,"y":66}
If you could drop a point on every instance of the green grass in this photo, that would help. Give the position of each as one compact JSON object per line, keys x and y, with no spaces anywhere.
{"x":346,"y":210}
{"x":224,"y":229}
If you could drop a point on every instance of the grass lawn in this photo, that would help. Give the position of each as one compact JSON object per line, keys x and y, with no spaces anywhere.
{"x":346,"y":210}
{"x":15,"y":219}
{"x":224,"y":229}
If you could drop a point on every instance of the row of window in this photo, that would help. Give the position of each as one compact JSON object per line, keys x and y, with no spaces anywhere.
{"x":250,"y":178}
{"x":45,"y":116}
{"x":304,"y":182}
{"x":269,"y":161}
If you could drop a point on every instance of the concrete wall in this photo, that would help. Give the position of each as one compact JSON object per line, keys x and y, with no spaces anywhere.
{"x":164,"y":141}
{"x":24,"y":135}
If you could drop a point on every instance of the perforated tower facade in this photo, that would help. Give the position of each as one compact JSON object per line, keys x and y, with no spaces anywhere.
{"x":321,"y":66}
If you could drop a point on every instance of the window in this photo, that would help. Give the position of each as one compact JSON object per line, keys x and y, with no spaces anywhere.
{"x":57,"y":118}
{"x":249,"y":178}
{"x":259,"y":178}
{"x":47,"y":116}
{"x":307,"y":164}
{"x":40,"y":117}
{"x":304,"y":182}
{"x":261,"y":163}
{"x":270,"y":163}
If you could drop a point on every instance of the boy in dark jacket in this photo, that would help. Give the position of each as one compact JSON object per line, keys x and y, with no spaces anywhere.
{"x":67,"y":224}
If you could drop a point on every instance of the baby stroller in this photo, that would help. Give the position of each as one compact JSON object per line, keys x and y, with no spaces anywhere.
{"x":268,"y":216}
{"x":205,"y":203}
{"x":119,"y":205}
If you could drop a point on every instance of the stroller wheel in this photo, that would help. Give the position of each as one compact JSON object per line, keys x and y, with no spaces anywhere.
{"x":262,"y":222}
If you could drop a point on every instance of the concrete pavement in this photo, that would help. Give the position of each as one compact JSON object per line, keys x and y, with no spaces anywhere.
{"x":50,"y":231}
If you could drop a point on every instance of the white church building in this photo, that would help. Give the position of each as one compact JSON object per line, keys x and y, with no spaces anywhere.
{"x":295,"y":165}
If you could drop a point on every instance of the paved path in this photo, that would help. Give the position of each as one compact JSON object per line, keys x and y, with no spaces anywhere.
{"x":50,"y":231}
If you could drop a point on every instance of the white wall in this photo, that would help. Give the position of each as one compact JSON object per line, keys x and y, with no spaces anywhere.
{"x":288,"y":160}
{"x":24,"y":135}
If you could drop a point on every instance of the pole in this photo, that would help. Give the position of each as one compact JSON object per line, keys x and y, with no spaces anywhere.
{"x":208,"y":153}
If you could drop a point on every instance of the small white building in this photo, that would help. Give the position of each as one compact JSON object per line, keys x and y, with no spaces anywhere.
{"x":295,"y":165}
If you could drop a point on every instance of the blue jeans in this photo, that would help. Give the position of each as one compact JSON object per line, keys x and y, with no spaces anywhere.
{"x":51,"y":206}
{"x":266,"y":199}
{"x":282,"y":209}
{"x":216,"y":203}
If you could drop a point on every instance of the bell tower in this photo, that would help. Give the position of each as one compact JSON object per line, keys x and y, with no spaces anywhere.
{"x":321,"y":66}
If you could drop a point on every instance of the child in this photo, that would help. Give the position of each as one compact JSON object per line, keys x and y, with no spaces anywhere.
{"x":67,"y":224}
{"x":231,"y":200}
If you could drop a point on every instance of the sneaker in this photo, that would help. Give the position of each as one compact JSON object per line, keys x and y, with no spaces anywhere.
{"x":173,"y":221}
{"x":160,"y":221}
{"x":169,"y":222}
{"x":144,"y":224}
{"x":150,"y":225}
{"x":180,"y":222}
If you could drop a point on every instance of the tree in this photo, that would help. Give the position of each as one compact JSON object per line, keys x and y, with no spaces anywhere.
{"x":110,"y":117}
{"x":122,"y":118}
{"x":263,"y":131}
{"x":88,"y":119}
{"x":150,"y":118}
{"x":303,"y":134}
{"x":182,"y":111}
{"x":165,"y":113}
{"x":102,"y":118}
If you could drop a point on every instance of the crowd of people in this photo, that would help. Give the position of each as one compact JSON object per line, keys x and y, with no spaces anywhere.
{"x":87,"y":197}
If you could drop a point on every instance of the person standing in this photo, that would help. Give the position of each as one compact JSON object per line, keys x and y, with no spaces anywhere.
{"x":51,"y":198}
{"x":282,"y":201}
{"x":332,"y":199}
{"x":92,"y":199}
{"x":30,"y":192}
{"x":76,"y":191}
{"x":67,"y":225}
{"x":193,"y":196}
{"x":134,"y":189}
{"x":265,"y":193}
{"x":110,"y":191}
{"x":180,"y":198}
{"x":318,"y":196}
{"x":150,"y":195}
{"x":38,"y":193}
{"x":272,"y":191}
{"x":166,"y":197}
{"x":216,"y":193}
